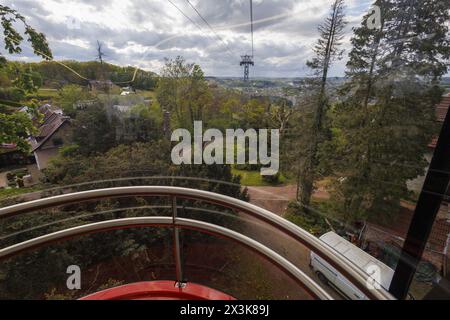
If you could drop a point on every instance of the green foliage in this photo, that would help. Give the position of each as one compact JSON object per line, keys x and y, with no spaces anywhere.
{"x":13,"y":39}
{"x":144,"y":80}
{"x":57,"y":74}
{"x":255,"y":114}
{"x":327,"y":48}
{"x":111,"y":283}
{"x":140,"y":124}
{"x":273,"y":179}
{"x":8,"y":193}
{"x":12,"y":96}
{"x":138,"y":160}
{"x":101,"y":250}
{"x":41,"y":273}
{"x":15,"y":128}
{"x":69,"y":150}
{"x":255,"y":179}
{"x":92,"y":131}
{"x":54,"y":295}
{"x":309,"y":221}
{"x":21,"y":83}
{"x":326,"y":51}
{"x":98,"y":128}
{"x":28,"y":80}
{"x":295,"y":139}
{"x":183,"y":91}
{"x":222,"y":113}
{"x":69,"y":95}
{"x":382,"y":126}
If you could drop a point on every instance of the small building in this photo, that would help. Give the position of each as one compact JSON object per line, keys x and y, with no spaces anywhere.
{"x":127,"y":90}
{"x":84,"y":104}
{"x":53,"y":133}
{"x":100,"y":85}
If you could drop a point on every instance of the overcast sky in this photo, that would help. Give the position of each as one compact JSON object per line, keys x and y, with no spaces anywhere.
{"x":143,"y":32}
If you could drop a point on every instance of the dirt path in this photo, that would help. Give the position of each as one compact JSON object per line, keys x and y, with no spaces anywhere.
{"x":276,"y":200}
{"x":3,"y":180}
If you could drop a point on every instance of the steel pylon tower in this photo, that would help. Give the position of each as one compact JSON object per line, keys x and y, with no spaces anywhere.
{"x":247,"y":61}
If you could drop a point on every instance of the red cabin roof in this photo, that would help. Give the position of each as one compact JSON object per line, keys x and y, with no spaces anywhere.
{"x":159,"y":290}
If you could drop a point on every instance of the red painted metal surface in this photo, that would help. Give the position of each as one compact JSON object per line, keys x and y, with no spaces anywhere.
{"x":159,"y":290}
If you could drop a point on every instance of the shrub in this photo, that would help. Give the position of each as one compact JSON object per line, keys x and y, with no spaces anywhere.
{"x":310,"y":221}
{"x":273,"y":179}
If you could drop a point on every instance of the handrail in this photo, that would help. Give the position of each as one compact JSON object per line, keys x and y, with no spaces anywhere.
{"x":342,"y":264}
{"x":127,"y":179}
{"x":124,"y":223}
{"x":98,"y":213}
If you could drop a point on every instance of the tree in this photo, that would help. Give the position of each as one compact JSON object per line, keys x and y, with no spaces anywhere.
{"x":139,"y":124}
{"x":93,"y":132}
{"x":254,"y":114}
{"x":183,"y":91}
{"x":69,"y":95}
{"x":381,"y":129}
{"x":13,"y":38}
{"x":15,"y":127}
{"x":326,"y":51}
{"x":281,"y":115}
{"x":27,"y":80}
{"x":139,"y":160}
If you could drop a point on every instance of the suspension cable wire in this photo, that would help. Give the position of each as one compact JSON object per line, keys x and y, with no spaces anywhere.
{"x":252,"y":42}
{"x":251,"y":24}
{"x":193,"y":22}
{"x":16,"y":41}
{"x":186,"y":16}
{"x":210,"y":27}
{"x":276,"y":17}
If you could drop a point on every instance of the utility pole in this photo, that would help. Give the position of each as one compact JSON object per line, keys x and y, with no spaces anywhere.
{"x":100,"y":53}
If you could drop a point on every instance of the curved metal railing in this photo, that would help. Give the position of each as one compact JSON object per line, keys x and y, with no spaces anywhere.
{"x":357,"y":276}
{"x":275,"y":258}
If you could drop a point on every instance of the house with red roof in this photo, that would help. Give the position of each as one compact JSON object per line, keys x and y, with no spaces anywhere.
{"x":53,"y":133}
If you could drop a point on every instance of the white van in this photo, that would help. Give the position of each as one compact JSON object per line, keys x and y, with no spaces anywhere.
{"x":380,"y":272}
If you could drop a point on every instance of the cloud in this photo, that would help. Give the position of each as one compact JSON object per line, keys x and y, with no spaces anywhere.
{"x":143,"y":32}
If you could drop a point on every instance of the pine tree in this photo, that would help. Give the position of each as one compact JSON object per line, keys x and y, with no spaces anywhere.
{"x":386,"y":120}
{"x":326,"y":51}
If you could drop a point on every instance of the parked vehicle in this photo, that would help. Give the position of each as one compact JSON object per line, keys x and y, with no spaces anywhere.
{"x":379,"y":272}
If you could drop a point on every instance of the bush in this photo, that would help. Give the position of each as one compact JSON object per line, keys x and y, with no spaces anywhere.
{"x":309,"y":221}
{"x":248,"y":167}
{"x":273,"y":179}
{"x":12,"y":94}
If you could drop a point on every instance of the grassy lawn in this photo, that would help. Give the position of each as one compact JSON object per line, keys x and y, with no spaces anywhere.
{"x":254,"y":179}
{"x":147,"y":94}
{"x":7,"y":193}
{"x":47,"y":92}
